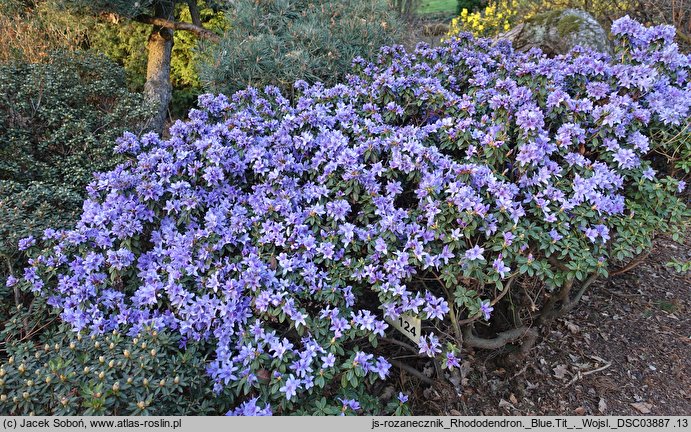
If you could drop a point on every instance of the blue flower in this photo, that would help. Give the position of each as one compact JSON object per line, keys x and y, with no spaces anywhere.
{"x":486,"y":309}
{"x":475,"y":253}
{"x":250,"y":408}
{"x":26,"y":243}
{"x":351,"y":404}
{"x":290,"y":387}
{"x":500,"y":267}
{"x":328,"y":361}
{"x":429,"y":345}
{"x":452,"y":361}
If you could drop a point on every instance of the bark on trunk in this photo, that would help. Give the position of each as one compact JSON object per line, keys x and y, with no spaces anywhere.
{"x":158,"y":89}
{"x":194,"y":12}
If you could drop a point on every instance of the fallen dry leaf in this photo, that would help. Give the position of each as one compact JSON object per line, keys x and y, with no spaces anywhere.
{"x":642,"y":407}
{"x":263,"y":375}
{"x":579,"y":411}
{"x":602,"y":406}
{"x":560,"y":371}
{"x":573,"y":328}
{"x":504,"y":404}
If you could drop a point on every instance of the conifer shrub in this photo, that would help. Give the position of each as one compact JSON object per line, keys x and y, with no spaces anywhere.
{"x":279,"y":42}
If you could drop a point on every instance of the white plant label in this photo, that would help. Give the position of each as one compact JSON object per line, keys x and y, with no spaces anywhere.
{"x":409,"y":325}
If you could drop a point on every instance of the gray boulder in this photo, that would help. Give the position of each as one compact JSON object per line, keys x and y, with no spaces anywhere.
{"x":557,"y":32}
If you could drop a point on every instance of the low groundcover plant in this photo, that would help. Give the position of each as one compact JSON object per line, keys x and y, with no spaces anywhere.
{"x":463,"y":184}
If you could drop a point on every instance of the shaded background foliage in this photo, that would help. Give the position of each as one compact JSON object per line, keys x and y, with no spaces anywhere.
{"x":279,"y":42}
{"x":58,"y":121}
{"x":29,"y":34}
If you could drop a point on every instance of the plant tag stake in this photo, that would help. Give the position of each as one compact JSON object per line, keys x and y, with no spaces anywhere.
{"x":408,"y":325}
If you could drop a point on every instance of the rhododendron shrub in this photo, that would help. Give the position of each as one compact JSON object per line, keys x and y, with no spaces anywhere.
{"x":442,"y":184}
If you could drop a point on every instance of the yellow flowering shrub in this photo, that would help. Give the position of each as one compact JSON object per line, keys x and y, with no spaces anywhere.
{"x":500,"y":16}
{"x":497,"y":17}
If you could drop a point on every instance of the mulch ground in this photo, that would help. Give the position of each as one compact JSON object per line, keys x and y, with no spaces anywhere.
{"x":625,"y":350}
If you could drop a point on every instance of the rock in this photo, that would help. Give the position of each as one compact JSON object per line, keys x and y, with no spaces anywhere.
{"x":557,"y":32}
{"x":435,"y":29}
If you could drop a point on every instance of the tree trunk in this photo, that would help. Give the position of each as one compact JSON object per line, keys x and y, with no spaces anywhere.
{"x":158,"y":89}
{"x":194,"y":12}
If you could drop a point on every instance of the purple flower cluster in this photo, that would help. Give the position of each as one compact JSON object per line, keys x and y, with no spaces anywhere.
{"x":264,"y":225}
{"x":250,"y":408}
